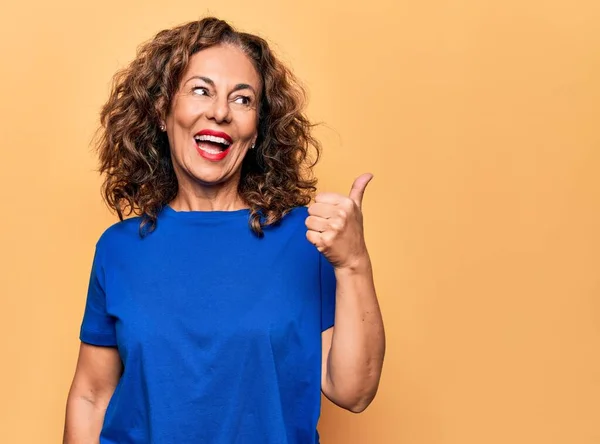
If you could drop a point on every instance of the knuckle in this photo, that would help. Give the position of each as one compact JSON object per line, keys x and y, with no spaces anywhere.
{"x":335,"y":225}
{"x":328,"y":239}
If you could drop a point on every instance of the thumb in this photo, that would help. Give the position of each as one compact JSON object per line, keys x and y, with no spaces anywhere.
{"x":358,"y":188}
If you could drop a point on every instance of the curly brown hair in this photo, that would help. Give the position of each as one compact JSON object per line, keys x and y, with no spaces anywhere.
{"x":135,"y":155}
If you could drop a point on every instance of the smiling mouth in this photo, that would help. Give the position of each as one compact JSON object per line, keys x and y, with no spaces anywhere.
{"x":211,"y":144}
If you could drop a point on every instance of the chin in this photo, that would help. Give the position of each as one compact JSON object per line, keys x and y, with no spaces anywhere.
{"x":210,"y":175}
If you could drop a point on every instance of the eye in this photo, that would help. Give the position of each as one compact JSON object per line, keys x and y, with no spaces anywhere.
{"x":200,"y":91}
{"x":243,"y":100}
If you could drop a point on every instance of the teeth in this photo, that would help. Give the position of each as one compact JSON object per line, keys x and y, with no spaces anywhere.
{"x":209,"y":150}
{"x":205,"y":138}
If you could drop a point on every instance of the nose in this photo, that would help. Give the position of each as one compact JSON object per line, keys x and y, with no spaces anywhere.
{"x":219,"y":110}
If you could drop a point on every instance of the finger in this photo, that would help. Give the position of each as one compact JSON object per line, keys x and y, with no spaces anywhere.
{"x":329,"y":198}
{"x":358,"y":188}
{"x":314,"y":237}
{"x":322,"y":210}
{"x":315,"y":223}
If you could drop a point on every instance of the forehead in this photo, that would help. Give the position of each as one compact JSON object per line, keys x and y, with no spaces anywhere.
{"x":223,"y":64}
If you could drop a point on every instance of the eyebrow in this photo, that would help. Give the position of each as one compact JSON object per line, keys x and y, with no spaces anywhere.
{"x":238,"y":87}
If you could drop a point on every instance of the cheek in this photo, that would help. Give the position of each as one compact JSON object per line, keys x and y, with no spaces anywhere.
{"x":183,"y":118}
{"x":187,"y":112}
{"x":247,"y":125}
{"x":184,"y":115}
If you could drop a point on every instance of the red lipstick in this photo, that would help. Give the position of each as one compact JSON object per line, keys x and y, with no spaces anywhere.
{"x":213,"y":145}
{"x":222,"y":135}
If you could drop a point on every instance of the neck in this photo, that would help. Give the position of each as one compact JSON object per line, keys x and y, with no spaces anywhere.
{"x":219,"y":197}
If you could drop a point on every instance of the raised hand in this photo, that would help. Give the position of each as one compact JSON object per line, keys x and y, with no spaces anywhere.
{"x":335,"y":225}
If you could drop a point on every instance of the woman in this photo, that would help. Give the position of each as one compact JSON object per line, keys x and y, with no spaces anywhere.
{"x":209,"y":318}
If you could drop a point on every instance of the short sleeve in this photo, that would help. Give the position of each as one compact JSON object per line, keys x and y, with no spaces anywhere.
{"x":327,"y":277}
{"x":97,"y":327}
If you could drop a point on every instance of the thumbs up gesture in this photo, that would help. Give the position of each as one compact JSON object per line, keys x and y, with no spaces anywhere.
{"x":335,"y":225}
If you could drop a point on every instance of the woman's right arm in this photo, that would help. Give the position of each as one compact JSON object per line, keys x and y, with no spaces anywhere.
{"x":97,"y":374}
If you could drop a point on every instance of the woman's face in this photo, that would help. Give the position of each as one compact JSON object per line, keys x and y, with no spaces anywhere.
{"x":213,"y":118}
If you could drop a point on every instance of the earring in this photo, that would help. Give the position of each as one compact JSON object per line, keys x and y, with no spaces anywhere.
{"x":162,"y":127}
{"x":252,"y":147}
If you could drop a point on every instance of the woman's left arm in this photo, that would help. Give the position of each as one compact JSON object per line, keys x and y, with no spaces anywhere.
{"x":354,"y":349}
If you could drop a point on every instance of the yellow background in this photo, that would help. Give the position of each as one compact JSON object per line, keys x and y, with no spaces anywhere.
{"x":481,"y":122}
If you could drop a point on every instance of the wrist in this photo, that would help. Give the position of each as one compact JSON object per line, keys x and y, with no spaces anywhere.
{"x":358,"y":265}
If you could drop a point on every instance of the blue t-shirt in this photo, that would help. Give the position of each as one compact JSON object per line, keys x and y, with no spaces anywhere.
{"x":219,"y":331}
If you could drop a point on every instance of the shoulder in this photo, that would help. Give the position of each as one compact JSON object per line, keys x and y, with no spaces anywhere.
{"x":290,"y":233}
{"x":292,"y":220}
{"x":121,"y":233}
{"x":297,"y":214}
